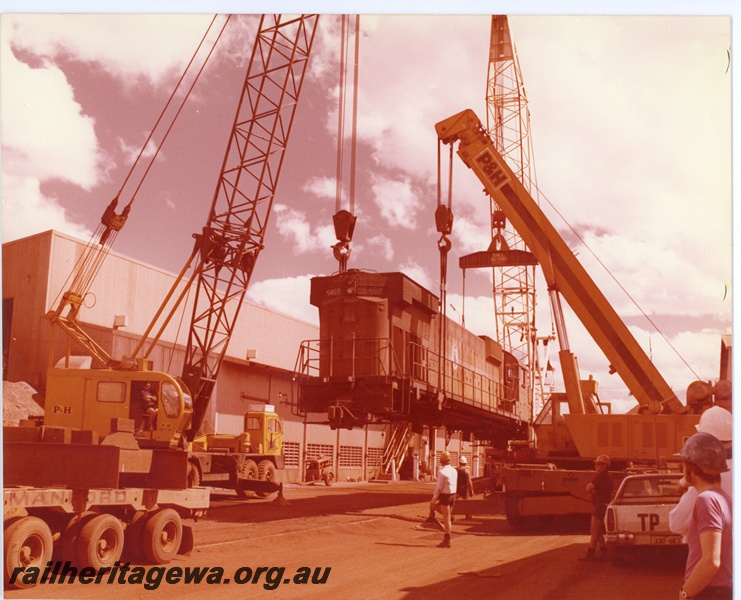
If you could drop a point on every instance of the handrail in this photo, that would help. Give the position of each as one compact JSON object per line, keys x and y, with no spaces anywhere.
{"x":318,"y":359}
{"x":460,"y":383}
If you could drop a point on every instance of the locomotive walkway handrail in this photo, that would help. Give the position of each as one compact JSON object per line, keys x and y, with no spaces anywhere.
{"x":316,"y":358}
{"x":461,"y":384}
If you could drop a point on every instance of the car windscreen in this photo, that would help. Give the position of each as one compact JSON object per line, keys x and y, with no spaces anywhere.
{"x":655,"y":488}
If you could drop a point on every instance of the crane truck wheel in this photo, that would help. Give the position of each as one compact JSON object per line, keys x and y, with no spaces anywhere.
{"x":162,"y":535}
{"x":248,"y":471}
{"x":71,"y":534}
{"x":28,"y":543}
{"x":101,"y":542}
{"x":266,"y":471}
{"x":133,"y":538}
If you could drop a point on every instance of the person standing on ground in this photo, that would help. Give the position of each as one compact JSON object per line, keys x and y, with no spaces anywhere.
{"x":444,"y":495}
{"x":464,"y":485}
{"x":718,"y":422}
{"x":601,"y":489}
{"x":709,"y":571}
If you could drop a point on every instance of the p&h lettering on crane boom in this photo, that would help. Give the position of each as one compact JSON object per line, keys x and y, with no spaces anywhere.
{"x":490,"y":166}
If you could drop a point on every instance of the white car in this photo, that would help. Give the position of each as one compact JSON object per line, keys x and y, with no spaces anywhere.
{"x":639,"y":513}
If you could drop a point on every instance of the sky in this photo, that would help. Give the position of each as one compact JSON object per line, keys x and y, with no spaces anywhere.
{"x":630,"y":118}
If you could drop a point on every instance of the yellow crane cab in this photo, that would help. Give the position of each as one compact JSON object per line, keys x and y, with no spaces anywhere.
{"x":92,"y":399}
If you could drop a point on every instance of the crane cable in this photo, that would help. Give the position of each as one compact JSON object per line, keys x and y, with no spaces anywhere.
{"x":180,"y":108}
{"x":354,"y":137}
{"x":444,"y":225}
{"x":620,"y":285}
{"x":97,"y":249}
{"x":341,"y":115}
{"x":344,"y":52}
{"x":344,"y":220}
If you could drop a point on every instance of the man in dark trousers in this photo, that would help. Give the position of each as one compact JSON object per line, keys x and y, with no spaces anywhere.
{"x":601,"y":489}
{"x":464,"y":485}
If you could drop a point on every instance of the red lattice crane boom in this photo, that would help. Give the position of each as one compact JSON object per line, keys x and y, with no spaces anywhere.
{"x":233,"y":236}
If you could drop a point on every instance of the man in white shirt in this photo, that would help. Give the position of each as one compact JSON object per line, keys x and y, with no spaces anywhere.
{"x":718,"y":422}
{"x":444,"y":496}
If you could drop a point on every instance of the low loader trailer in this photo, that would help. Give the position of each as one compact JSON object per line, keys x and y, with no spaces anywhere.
{"x":68,"y":498}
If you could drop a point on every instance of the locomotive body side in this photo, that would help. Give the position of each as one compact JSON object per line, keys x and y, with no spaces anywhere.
{"x":379,"y":357}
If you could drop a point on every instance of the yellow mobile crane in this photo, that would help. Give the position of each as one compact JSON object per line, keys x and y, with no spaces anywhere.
{"x":143,"y":484}
{"x":660,"y":424}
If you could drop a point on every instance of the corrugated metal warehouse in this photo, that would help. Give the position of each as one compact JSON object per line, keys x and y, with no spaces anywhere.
{"x":258,"y":368}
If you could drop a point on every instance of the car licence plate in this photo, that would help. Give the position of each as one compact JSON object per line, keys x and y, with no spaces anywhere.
{"x":666,"y":540}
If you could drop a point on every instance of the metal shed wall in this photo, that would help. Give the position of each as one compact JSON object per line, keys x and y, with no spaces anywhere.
{"x":35,"y":272}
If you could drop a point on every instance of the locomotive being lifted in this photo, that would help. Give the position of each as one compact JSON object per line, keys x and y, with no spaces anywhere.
{"x":386,"y":353}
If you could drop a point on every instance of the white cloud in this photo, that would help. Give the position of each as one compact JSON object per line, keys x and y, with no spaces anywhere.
{"x":125,"y":45}
{"x":383,"y":246}
{"x":680,"y":358}
{"x":432,"y":79}
{"x":477,"y":313}
{"x":397,"y":200}
{"x":469,"y":236}
{"x":281,"y":294}
{"x":322,"y":187}
{"x":26,"y":211}
{"x":169,"y":202}
{"x":657,"y":277}
{"x":46,"y":136}
{"x":294,"y":226}
{"x":132,"y":151}
{"x":641,"y":154}
{"x":45,"y":131}
{"x":417,"y":273}
{"x":324,"y":51}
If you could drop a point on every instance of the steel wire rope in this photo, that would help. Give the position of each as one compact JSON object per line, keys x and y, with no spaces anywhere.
{"x":342,"y":109}
{"x":444,"y":223}
{"x":180,"y":108}
{"x":344,"y":221}
{"x":620,"y":285}
{"x":89,"y":263}
{"x":341,"y":113}
{"x":354,"y":135}
{"x":177,"y":333}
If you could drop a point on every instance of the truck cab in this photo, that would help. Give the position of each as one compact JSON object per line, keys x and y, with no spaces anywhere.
{"x":265,"y":429}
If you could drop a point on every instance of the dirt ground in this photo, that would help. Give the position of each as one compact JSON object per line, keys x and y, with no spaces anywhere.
{"x":363,"y":538}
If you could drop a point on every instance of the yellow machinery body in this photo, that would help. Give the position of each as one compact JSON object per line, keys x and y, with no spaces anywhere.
{"x":89,"y":399}
{"x":263,"y":435}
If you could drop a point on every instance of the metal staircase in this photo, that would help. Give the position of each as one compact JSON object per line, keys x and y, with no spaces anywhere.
{"x":395,"y":451}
